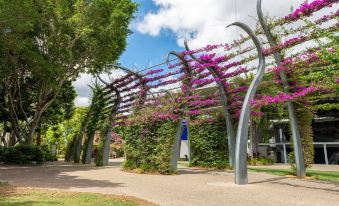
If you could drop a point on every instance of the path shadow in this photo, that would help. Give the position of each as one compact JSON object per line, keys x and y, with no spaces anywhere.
{"x":336,"y":188}
{"x":268,"y":180}
{"x":184,"y":171}
{"x":56,"y":175}
{"x":299,"y":183}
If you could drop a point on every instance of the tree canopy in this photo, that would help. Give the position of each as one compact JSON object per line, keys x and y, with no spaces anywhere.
{"x":45,"y":44}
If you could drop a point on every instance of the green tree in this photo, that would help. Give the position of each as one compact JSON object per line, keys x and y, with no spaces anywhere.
{"x":51,"y":42}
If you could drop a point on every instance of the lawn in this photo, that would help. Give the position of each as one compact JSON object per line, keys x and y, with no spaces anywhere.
{"x":13,"y":196}
{"x":318,"y":175}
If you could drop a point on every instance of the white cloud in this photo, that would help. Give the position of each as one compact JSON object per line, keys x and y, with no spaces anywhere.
{"x":204,"y":22}
{"x":83,"y":90}
{"x":82,"y":101}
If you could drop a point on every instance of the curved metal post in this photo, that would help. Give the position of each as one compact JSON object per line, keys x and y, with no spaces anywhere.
{"x":228,"y":118}
{"x":108,"y":136}
{"x":242,"y":132}
{"x":298,"y":149}
{"x":113,"y":113}
{"x":188,"y":82}
{"x":116,"y":105}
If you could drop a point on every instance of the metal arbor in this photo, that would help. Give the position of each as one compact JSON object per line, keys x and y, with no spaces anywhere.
{"x":242,"y":132}
{"x":298,"y":150}
{"x":112,"y":115}
{"x":243,"y":126}
{"x":187,"y":90}
{"x":117,"y":101}
{"x":224,"y":98}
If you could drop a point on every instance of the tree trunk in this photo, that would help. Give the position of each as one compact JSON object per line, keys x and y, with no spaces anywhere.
{"x":12,"y":139}
{"x":38,"y":137}
{"x":34,"y":124}
{"x":4,"y":132}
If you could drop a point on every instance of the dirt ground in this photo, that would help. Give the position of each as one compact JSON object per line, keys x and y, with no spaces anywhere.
{"x":188,"y":187}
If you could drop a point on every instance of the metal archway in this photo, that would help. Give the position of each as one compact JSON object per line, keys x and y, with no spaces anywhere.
{"x":117,"y":102}
{"x":242,"y":131}
{"x":298,"y":149}
{"x":112,"y":115}
{"x":224,"y":99}
{"x":188,"y":92}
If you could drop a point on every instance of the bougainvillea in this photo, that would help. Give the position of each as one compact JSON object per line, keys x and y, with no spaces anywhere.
{"x":192,"y":92}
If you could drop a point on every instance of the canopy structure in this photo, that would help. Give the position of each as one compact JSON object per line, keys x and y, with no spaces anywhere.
{"x":237,"y":70}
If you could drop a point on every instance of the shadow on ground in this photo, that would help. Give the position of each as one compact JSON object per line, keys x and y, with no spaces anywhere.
{"x":54,"y":175}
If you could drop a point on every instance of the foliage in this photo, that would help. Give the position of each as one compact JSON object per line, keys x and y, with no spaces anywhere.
{"x":64,"y":132}
{"x":22,"y":154}
{"x":47,"y":153}
{"x":304,"y":117}
{"x":328,"y":75}
{"x":99,"y":158}
{"x":305,"y":120}
{"x":148,"y":144}
{"x":50,"y":44}
{"x":95,"y":119}
{"x":54,"y":136}
{"x":208,"y":143}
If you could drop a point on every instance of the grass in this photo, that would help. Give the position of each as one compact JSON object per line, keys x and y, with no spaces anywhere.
{"x":13,"y":196}
{"x":330,"y":176}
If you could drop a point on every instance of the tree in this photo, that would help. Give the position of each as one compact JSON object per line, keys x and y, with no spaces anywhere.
{"x":47,"y":43}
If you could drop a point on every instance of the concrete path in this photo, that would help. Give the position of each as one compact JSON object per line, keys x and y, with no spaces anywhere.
{"x":189,"y":187}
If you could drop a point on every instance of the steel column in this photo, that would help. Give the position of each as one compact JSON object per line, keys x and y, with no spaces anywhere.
{"x":284,"y":145}
{"x":325,"y":153}
{"x":228,"y":118}
{"x":242,"y":132}
{"x":298,"y":149}
{"x":114,"y":111}
{"x":176,"y":147}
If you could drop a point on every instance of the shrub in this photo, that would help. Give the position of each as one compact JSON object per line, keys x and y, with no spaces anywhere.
{"x":25,"y":154}
{"x":305,"y":116}
{"x":22,"y":154}
{"x":48,"y":156}
{"x":148,"y":146}
{"x":208,"y":145}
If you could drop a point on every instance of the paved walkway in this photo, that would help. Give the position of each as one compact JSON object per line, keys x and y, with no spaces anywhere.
{"x":189,"y":187}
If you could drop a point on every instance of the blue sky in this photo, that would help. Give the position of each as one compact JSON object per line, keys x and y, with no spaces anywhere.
{"x":144,"y":50}
{"x":160,"y":26}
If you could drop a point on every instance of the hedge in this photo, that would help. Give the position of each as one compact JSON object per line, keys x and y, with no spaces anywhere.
{"x":208,"y":142}
{"x":148,"y":146}
{"x":25,"y":154}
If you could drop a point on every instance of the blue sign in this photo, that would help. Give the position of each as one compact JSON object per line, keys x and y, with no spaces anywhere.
{"x":184,"y":130}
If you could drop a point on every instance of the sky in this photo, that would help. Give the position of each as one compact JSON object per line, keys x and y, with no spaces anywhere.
{"x":160,"y":26}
